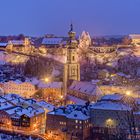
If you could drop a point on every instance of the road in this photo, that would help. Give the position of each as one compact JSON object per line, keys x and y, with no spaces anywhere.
{"x":29,"y":133}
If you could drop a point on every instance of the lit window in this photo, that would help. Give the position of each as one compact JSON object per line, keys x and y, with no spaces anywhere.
{"x":76,"y":126}
{"x":76,"y":121}
{"x":80,"y":121}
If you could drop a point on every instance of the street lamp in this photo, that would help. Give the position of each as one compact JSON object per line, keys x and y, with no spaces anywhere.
{"x":128,"y":93}
{"x":109,"y":122}
{"x":61,"y":96}
{"x":46,"y":79}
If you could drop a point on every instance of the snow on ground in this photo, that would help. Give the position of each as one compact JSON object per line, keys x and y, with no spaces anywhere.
{"x":5,"y":58}
{"x":58,"y":58}
{"x":2,"y":58}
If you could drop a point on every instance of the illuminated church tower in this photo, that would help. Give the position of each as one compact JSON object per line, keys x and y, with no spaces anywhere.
{"x":71,"y":67}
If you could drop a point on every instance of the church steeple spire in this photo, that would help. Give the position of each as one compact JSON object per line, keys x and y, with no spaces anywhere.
{"x":71,"y":27}
{"x":71,"y":32}
{"x":71,"y":67}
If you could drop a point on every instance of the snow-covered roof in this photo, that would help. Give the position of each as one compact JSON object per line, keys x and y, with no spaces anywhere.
{"x":58,"y":111}
{"x":76,"y":100}
{"x":3,"y":44}
{"x":52,"y":41}
{"x":2,"y":99}
{"x":29,"y":111}
{"x":5,"y":105}
{"x":11,"y":96}
{"x":33,"y":81}
{"x":50,"y":85}
{"x":113,"y":97}
{"x":137,"y":113}
{"x":85,"y":87}
{"x":85,"y":35}
{"x":17,"y":42}
{"x":45,"y":105}
{"x":109,"y":105}
{"x":77,"y":115}
{"x":17,"y":101}
{"x":123,"y":75}
{"x":30,"y":101}
{"x":72,"y":111}
{"x":134,"y":36}
{"x":28,"y":107}
{"x":17,"y":81}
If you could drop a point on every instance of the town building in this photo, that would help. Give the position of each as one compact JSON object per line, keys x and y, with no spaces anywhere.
{"x":25,"y":46}
{"x":135,"y":39}
{"x":3,"y":45}
{"x":103,"y":53}
{"x":82,"y":91}
{"x":18,"y":113}
{"x":85,"y":40}
{"x":115,"y":113}
{"x":25,"y":89}
{"x":51,"y":90}
{"x":53,"y":45}
{"x":70,"y":122}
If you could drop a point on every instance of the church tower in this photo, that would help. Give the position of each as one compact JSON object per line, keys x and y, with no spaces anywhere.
{"x":71,"y":67}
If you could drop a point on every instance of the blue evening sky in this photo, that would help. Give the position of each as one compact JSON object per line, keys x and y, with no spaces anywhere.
{"x":98,"y":17}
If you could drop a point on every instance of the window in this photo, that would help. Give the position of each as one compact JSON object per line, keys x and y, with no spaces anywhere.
{"x":73,"y":58}
{"x":76,"y":126}
{"x":76,"y":121}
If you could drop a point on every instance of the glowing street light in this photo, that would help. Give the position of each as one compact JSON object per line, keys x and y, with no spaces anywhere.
{"x":61,"y":96}
{"x":128,"y":93}
{"x":46,"y":79}
{"x":34,"y":125}
{"x":110,"y":122}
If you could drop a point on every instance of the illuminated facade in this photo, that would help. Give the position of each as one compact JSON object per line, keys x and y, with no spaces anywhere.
{"x":24,"y":89}
{"x":86,"y":91}
{"x":84,"y":40}
{"x":135,"y":39}
{"x":24,"y":46}
{"x":116,"y":113}
{"x":23,"y":114}
{"x":51,"y":90}
{"x":53,"y":45}
{"x":68,"y":123}
{"x":103,"y":53}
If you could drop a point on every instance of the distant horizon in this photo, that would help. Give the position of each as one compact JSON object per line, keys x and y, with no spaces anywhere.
{"x":77,"y":35}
